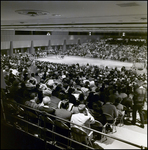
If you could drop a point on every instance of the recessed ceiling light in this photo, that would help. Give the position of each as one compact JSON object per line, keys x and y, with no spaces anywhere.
{"x":32,"y":13}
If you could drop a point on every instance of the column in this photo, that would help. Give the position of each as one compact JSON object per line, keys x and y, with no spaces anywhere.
{"x":79,"y":42}
{"x":64,"y":46}
{"x":32,"y":48}
{"x":28,"y":49}
{"x":49,"y":44}
{"x":8,"y":52}
{"x":22,"y":50}
{"x":11,"y":48}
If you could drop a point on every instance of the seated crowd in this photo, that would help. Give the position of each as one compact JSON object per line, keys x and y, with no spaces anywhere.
{"x":80,"y":94}
{"x":104,"y":50}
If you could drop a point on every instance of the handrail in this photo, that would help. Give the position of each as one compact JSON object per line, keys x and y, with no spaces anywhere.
{"x":52,"y":132}
{"x":50,"y":115}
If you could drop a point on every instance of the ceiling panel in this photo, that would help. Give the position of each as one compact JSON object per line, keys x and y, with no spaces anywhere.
{"x":73,"y":14}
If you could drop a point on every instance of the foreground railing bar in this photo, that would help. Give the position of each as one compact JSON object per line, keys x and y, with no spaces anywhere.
{"x":47,"y":130}
{"x":44,"y":113}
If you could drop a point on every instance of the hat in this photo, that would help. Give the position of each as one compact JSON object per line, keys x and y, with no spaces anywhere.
{"x":46,"y":100}
{"x":81,"y":107}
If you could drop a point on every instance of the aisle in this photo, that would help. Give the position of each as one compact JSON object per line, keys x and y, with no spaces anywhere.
{"x":131,"y":133}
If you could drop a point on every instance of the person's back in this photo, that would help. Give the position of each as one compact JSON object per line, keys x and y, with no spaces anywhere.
{"x":54,"y":102}
{"x":63,"y":113}
{"x":109,"y":108}
{"x":83,"y":118}
{"x":141,"y":95}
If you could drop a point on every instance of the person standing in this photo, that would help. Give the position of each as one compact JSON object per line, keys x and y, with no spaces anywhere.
{"x":139,"y":99}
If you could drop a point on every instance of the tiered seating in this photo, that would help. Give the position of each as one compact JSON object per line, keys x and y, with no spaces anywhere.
{"x":55,"y":127}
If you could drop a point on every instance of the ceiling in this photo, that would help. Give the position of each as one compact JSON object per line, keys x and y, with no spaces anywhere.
{"x":74,"y":16}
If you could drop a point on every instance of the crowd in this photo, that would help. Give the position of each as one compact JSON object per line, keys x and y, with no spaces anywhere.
{"x":80,"y":94}
{"x":104,"y":50}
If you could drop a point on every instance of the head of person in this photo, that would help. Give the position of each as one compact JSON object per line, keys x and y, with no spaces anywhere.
{"x":46,"y":100}
{"x":82,"y":108}
{"x":117,"y":101}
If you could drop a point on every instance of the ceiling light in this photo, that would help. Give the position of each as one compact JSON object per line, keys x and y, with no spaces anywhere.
{"x":32,"y":13}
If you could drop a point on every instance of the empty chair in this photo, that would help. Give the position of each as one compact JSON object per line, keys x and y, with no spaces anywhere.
{"x":63,"y":129}
{"x":47,"y":123}
{"x":110,"y":123}
{"x":33,"y":117}
{"x":120,"y":119}
{"x":10,"y":111}
{"x":99,"y":127}
{"x":21,"y":115}
{"x":81,"y":136}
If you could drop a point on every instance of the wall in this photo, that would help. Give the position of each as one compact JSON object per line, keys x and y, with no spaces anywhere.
{"x":57,"y":38}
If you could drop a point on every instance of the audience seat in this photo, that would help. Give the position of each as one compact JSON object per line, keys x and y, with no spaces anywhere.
{"x":98,"y":136}
{"x":63,"y":129}
{"x":110,"y":122}
{"x":120,"y":119}
{"x":33,"y":118}
{"x":81,"y":136}
{"x":47,"y":123}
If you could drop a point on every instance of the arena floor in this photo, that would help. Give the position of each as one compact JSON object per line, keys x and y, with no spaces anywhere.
{"x":131,"y":133}
{"x":84,"y":61}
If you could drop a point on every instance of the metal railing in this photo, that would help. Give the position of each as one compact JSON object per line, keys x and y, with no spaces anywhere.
{"x":16,"y":118}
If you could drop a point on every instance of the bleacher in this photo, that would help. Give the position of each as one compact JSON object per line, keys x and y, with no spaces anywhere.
{"x":46,"y":130}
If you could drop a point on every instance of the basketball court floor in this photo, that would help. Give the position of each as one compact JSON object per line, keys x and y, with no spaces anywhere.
{"x":130,"y":133}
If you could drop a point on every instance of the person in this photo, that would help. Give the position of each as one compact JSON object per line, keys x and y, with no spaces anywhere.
{"x":45,"y":105}
{"x":120,"y":108}
{"x":67,"y":104}
{"x":33,"y":80}
{"x":110,"y":108}
{"x":83,"y":118}
{"x":54,"y":101}
{"x":63,"y":112}
{"x":138,"y":100}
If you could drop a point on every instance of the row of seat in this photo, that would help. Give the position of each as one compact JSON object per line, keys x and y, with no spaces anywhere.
{"x":51,"y":128}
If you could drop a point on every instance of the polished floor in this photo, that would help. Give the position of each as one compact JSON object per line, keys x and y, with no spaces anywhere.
{"x":84,"y":61}
{"x":131,"y":133}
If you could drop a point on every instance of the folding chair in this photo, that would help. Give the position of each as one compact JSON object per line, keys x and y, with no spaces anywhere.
{"x":81,"y":136}
{"x":33,"y":117}
{"x":47,"y":123}
{"x":10,"y":109}
{"x":63,"y":129}
{"x":120,"y":119}
{"x":102,"y":127}
{"x":110,"y":121}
